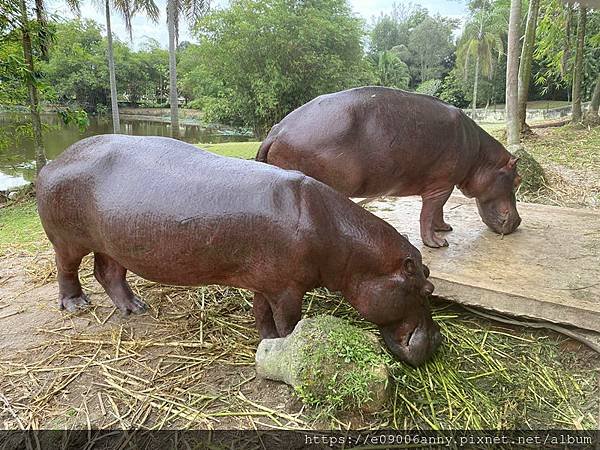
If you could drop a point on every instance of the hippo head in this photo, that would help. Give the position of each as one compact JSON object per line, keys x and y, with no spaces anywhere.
{"x":398,"y":304}
{"x":496,"y":202}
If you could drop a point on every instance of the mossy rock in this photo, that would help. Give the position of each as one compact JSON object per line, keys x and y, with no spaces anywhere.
{"x":330,"y":363}
{"x":532,"y":173}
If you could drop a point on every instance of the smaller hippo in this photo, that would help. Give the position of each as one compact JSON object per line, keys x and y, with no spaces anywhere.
{"x":175,"y":214}
{"x":375,"y":141}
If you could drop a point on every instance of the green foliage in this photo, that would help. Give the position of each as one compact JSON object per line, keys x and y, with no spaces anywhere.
{"x":78,"y":70}
{"x":532,"y":173}
{"x":338,"y":373}
{"x":452,"y":92}
{"x":391,"y":70}
{"x":423,"y":42}
{"x":429,"y":87}
{"x":259,"y":59}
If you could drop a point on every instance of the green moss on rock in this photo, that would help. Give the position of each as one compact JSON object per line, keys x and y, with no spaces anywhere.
{"x":330,"y":363}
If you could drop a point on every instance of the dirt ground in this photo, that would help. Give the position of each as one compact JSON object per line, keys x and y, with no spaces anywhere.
{"x":54,"y":388}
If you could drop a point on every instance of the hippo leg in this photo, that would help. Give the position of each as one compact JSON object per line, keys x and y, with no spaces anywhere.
{"x":287,"y":310}
{"x":439,"y":224}
{"x":264,"y":317}
{"x":111,"y":275}
{"x":432,"y":205}
{"x":70,"y":294}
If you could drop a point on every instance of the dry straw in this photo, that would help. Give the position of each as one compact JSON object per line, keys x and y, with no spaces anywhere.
{"x":189,"y":363}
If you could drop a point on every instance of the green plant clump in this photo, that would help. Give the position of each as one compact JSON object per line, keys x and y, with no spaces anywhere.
{"x":340,"y":372}
{"x":532,"y":173}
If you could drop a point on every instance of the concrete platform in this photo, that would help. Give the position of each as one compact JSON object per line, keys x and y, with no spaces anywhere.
{"x":549,"y":269}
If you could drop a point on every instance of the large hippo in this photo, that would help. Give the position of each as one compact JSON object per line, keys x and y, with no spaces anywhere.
{"x":375,"y":141}
{"x":175,"y":214}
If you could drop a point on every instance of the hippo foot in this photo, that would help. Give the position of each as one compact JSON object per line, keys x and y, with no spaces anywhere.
{"x":435,"y":241}
{"x":74,"y":304}
{"x":134,"y":305}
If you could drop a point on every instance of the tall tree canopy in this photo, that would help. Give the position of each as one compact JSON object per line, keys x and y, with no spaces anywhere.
{"x":264,"y":58}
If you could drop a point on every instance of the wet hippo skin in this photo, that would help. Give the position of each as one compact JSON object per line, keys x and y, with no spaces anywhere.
{"x":375,"y":141}
{"x":175,"y":214}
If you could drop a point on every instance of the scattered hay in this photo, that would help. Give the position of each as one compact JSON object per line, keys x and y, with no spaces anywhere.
{"x":188,"y":363}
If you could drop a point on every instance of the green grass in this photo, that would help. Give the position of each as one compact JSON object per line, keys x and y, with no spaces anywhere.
{"x":20,"y":227}
{"x":573,"y":146}
{"x":246,"y":150}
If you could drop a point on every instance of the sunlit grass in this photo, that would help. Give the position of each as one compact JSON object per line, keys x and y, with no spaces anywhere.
{"x":246,"y":150}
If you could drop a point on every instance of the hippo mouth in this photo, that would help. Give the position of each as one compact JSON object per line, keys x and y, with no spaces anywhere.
{"x":417,"y":346}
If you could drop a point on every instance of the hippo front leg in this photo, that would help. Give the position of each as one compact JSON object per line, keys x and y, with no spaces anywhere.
{"x":287,"y":310}
{"x":432,"y":219}
{"x":264,"y":317}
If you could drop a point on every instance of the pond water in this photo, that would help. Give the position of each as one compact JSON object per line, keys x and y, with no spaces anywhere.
{"x":17,"y":154}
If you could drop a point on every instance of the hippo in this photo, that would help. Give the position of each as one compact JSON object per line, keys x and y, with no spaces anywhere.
{"x":174,"y":214}
{"x":374,"y":141}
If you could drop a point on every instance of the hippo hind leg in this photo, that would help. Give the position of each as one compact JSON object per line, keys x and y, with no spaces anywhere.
{"x":70,"y":294}
{"x":432,"y":219}
{"x":111,"y":275}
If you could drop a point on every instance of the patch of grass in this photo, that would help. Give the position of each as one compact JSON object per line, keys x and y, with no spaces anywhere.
{"x":343,"y":371}
{"x":20,"y":227}
{"x":245,"y":150}
{"x":573,"y":146}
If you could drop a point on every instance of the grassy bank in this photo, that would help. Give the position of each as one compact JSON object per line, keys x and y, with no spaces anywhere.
{"x":246,"y":150}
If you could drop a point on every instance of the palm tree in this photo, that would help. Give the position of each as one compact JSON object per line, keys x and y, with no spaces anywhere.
{"x":512,"y":74}
{"x":578,"y":69}
{"x":526,"y":60}
{"x":127,"y":9}
{"x":193,"y":10}
{"x":482,"y":39}
{"x":391,"y":70}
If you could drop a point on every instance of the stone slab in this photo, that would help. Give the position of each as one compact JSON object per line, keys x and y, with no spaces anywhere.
{"x":549,"y":269}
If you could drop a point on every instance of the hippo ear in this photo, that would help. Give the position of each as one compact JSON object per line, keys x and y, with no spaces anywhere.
{"x":512,"y":162}
{"x":409,"y":267}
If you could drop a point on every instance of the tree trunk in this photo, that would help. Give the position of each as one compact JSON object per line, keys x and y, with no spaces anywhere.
{"x":595,"y":104}
{"x":578,"y":69}
{"x":526,"y":60}
{"x":476,"y":81}
{"x":173,"y":97}
{"x":564,"y":66}
{"x":36,"y":123}
{"x":512,"y":74}
{"x":111,"y":71}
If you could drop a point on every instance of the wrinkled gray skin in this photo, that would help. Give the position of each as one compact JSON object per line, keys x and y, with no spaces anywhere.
{"x":174,"y":214}
{"x":375,"y":141}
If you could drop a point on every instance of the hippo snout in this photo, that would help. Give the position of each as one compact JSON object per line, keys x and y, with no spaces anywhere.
{"x":511,"y":224}
{"x":416,"y":347}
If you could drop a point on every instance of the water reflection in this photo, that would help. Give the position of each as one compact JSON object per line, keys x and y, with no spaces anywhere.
{"x":17,"y":157}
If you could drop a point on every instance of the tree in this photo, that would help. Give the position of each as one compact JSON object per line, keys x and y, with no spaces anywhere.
{"x":526,"y":61}
{"x":482,"y":40}
{"x":32,"y":89}
{"x":424,"y":42}
{"x":512,"y":74}
{"x":391,"y":70}
{"x":193,"y":10}
{"x":578,"y":68}
{"x":267,"y":57}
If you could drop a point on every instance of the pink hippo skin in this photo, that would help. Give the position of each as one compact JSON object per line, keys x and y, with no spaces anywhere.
{"x":175,"y":214}
{"x":375,"y":141}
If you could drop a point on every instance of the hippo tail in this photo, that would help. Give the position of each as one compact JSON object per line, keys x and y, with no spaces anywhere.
{"x":263,"y":150}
